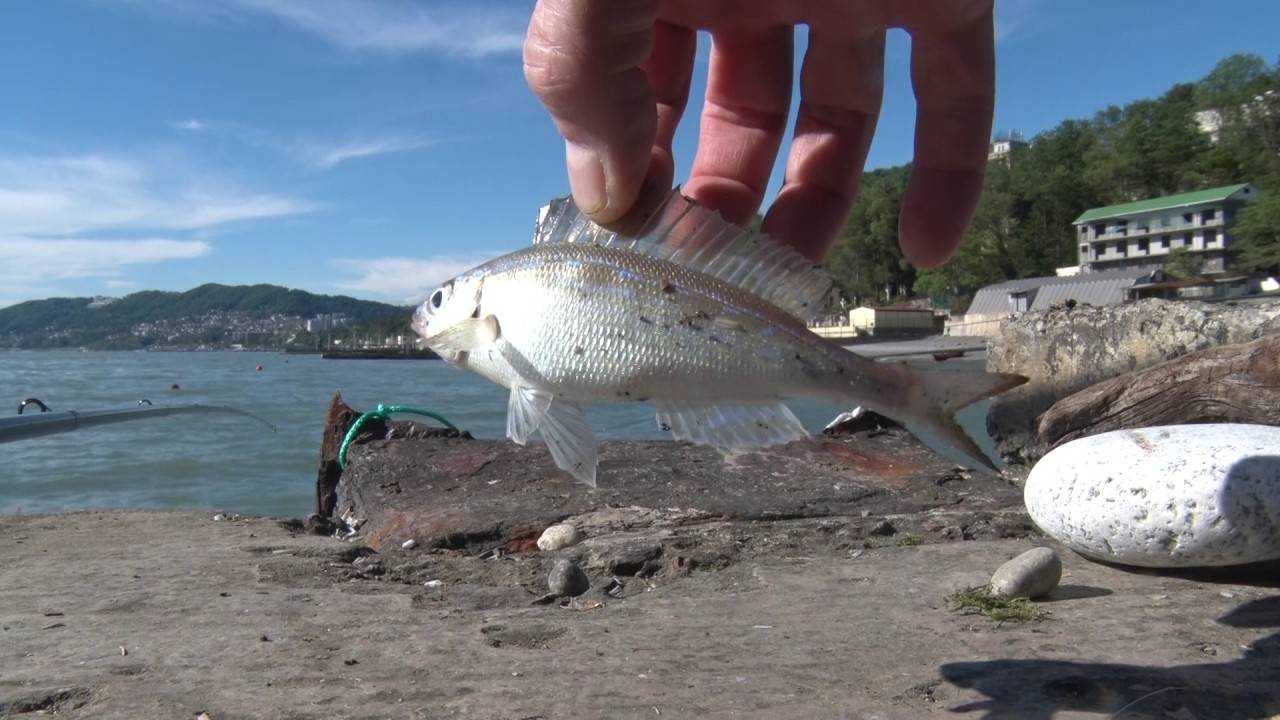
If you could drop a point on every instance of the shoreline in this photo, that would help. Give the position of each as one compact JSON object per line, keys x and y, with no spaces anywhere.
{"x":247,"y":618}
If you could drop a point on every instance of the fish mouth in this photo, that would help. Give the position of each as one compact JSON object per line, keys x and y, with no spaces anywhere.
{"x":421,"y":322}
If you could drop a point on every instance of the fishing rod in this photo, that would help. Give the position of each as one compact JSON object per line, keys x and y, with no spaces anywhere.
{"x":48,"y":422}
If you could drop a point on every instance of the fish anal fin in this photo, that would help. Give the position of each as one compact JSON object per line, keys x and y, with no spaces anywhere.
{"x":525,"y":410}
{"x":698,"y":238}
{"x":730,"y":426}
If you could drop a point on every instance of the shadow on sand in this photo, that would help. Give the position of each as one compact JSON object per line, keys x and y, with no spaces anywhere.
{"x":1248,"y":687}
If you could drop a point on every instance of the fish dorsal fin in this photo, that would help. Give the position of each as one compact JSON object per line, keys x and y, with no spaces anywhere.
{"x":683,"y":232}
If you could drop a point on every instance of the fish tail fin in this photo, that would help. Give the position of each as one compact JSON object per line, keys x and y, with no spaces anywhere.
{"x":927,"y":402}
{"x":941,"y":396}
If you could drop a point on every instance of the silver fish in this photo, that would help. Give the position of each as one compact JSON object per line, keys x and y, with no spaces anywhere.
{"x":692,"y":314}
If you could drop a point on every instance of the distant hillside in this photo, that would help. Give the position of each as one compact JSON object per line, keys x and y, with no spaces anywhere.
{"x":209,"y":314}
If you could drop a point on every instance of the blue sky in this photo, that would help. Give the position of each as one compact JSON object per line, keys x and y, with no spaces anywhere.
{"x":375,"y":147}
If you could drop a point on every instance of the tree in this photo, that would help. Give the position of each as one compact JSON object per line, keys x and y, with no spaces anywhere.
{"x":1023,"y":223}
{"x":1234,"y":80}
{"x":1256,"y":245}
{"x":1182,"y":264}
{"x":866,"y":261}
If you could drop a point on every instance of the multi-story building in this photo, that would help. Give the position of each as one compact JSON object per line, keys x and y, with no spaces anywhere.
{"x":1003,"y":145}
{"x":1142,"y":234}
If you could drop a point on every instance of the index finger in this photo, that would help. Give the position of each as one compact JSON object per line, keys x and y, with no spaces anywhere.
{"x":953,"y":72}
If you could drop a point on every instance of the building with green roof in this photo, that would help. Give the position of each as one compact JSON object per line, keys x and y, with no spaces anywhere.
{"x":1143,"y":233}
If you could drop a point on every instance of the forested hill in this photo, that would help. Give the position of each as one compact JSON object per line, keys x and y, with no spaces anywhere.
{"x":207,"y":314}
{"x":1147,"y":148}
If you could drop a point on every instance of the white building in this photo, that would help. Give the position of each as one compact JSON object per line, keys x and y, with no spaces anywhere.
{"x":325,"y":323}
{"x":1141,"y":234}
{"x":1003,"y":145}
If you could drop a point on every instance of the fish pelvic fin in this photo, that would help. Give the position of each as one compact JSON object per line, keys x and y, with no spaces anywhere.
{"x":562,"y":426}
{"x":683,"y":232}
{"x":932,"y":400}
{"x":571,"y":441}
{"x":730,"y":426}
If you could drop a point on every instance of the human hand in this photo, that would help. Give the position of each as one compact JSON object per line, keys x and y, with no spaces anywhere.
{"x":615,"y":75}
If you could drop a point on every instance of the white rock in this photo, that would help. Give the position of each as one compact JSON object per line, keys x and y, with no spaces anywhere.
{"x":1034,"y":573}
{"x":560,"y":535}
{"x":1176,"y":496}
{"x":219,"y":517}
{"x":433,"y":583}
{"x":409,"y":544}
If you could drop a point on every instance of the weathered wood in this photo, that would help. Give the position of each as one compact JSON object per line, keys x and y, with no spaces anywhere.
{"x":336,"y":424}
{"x":1230,"y":383}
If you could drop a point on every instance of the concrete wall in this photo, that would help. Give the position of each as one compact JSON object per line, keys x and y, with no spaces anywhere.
{"x":873,"y":319}
{"x":975,"y":325}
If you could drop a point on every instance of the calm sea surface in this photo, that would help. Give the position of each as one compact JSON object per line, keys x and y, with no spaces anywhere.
{"x":231,"y":463}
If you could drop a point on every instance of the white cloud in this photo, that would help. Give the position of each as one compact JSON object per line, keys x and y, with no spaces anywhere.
{"x":402,"y":279}
{"x":458,"y":28}
{"x":33,"y":267}
{"x":1012,"y":17}
{"x":66,"y":195}
{"x":192,"y":125}
{"x":465,"y":28}
{"x":329,"y":155}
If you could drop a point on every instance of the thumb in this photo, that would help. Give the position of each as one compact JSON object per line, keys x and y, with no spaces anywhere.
{"x":583,"y":58}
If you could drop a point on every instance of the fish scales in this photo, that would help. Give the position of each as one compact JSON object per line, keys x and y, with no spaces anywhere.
{"x":607,"y":324}
{"x":692,"y":314}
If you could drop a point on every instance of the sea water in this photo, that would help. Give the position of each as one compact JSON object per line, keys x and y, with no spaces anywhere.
{"x":232,"y":463}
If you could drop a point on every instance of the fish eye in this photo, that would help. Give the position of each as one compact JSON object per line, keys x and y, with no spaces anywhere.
{"x":437,"y":299}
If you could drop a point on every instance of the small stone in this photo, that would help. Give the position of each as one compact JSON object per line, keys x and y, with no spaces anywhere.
{"x":567,"y":579}
{"x":368,"y":565}
{"x":883,"y":528}
{"x":560,"y":535}
{"x":1034,"y":573}
{"x":219,"y":517}
{"x":204,"y":716}
{"x":614,"y":588}
{"x":433,"y":583}
{"x":409,"y":544}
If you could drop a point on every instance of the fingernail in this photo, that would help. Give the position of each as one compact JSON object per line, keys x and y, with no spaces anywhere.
{"x":586,"y":178}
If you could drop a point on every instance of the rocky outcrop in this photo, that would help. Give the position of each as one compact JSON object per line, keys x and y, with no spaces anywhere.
{"x":1230,"y":383}
{"x":1062,"y":351}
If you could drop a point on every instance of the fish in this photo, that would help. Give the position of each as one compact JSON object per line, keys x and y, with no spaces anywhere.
{"x":700,"y":318}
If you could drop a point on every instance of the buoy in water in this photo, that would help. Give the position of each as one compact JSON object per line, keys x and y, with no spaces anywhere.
{"x":259,"y":368}
{"x":175,"y":386}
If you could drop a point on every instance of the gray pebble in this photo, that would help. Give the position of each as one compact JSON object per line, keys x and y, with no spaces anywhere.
{"x":567,"y":579}
{"x":1034,"y":573}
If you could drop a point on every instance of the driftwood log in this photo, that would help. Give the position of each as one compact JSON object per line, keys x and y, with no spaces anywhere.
{"x":1230,"y":383}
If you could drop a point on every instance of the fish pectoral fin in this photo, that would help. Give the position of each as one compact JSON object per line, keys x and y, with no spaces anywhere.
{"x":570,"y":440}
{"x":730,"y":426}
{"x":466,"y":335}
{"x":525,"y":411}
